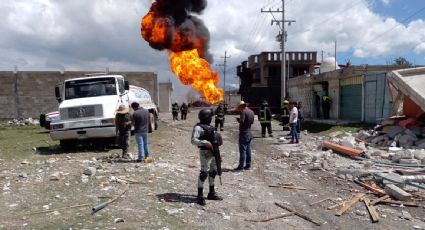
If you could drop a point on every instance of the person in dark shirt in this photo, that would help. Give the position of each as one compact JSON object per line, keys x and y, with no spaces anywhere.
{"x":123,"y":128}
{"x":175,"y":111}
{"x":219,"y":117}
{"x":245,"y":120}
{"x":183,"y":109}
{"x":141,"y":127}
{"x":300,"y":118}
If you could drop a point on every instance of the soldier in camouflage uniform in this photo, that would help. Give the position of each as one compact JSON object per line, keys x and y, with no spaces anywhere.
{"x":123,"y":129}
{"x":208,"y":162}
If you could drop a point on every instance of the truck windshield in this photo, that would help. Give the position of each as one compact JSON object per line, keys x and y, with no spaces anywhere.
{"x":90,"y":88}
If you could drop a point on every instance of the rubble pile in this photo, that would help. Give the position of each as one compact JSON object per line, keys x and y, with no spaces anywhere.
{"x":21,"y":122}
{"x":402,"y":132}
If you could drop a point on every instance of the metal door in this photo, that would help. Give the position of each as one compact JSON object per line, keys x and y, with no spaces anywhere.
{"x":370,"y":101}
{"x":351,"y":102}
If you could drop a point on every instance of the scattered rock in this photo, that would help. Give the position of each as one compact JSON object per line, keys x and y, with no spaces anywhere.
{"x":405,"y":215}
{"x":360,"y":213}
{"x":23,"y":175}
{"x":56,"y":176}
{"x":118,"y":220}
{"x":90,"y":171}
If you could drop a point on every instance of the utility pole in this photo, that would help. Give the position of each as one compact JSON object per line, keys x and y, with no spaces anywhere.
{"x":282,"y":38}
{"x":335,"y":55}
{"x":224,"y":65}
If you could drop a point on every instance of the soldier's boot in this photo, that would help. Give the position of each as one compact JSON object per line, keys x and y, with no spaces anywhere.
{"x":201,"y":199}
{"x":212,"y":195}
{"x":221,"y":129}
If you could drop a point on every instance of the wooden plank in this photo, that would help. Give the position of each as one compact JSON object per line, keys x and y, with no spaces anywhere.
{"x":372,"y":211}
{"x":374,"y":190}
{"x":320,"y":201}
{"x":350,"y":203}
{"x":379,"y":200}
{"x":272,"y":218}
{"x":347,"y":151}
{"x":298,"y":214}
{"x":289,"y":187}
{"x":339,"y":204}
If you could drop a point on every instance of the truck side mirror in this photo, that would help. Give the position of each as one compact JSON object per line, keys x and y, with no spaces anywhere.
{"x":126,"y":85}
{"x":58,"y":94}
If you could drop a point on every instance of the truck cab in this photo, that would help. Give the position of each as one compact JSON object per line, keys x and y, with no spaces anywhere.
{"x":87,"y":108}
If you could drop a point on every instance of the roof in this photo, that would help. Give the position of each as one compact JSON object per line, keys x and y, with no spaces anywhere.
{"x":411,"y":83}
{"x":94,"y":77}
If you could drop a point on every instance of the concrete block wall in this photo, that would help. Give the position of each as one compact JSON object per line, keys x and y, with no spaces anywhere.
{"x":30,"y":93}
{"x":300,"y":90}
{"x":7,"y":95}
{"x":165,"y":90}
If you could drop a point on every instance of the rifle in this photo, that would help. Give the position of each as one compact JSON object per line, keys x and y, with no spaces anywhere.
{"x":215,"y":139}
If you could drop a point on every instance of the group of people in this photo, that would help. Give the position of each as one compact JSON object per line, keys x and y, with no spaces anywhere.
{"x":140,"y":120}
{"x":183,"y":109}
{"x":292,"y":116}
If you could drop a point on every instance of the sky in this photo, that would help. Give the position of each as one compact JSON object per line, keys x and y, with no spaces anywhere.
{"x":99,"y":34}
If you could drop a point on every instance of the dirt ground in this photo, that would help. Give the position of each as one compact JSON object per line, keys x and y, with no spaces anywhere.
{"x":166,"y":197}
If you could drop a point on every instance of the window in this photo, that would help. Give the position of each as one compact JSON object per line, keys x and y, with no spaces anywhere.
{"x":121,"y":87}
{"x":90,"y":88}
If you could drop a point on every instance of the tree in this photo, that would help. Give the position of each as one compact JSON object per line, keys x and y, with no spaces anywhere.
{"x":401,"y":61}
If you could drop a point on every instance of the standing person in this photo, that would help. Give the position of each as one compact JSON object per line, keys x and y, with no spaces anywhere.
{"x":123,"y":129}
{"x":265,"y":118}
{"x":175,"y":111}
{"x":245,"y":136}
{"x":141,"y":124}
{"x":219,"y":117}
{"x":300,"y":118}
{"x":201,"y":137}
{"x":183,"y":109}
{"x":293,"y":118}
{"x":284,"y":117}
{"x":326,"y":106}
{"x":317,"y":104}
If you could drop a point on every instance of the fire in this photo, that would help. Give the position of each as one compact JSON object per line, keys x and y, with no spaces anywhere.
{"x":196,"y":71}
{"x":187,"y":48}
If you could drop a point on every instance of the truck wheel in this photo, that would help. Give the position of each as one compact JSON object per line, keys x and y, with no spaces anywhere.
{"x":68,"y":144}
{"x":151,"y":123}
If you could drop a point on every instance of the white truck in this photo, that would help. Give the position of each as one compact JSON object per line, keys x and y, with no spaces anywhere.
{"x":87,"y":108}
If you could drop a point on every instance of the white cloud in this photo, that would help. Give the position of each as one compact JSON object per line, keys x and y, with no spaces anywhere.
{"x":386,"y":2}
{"x":48,"y":34}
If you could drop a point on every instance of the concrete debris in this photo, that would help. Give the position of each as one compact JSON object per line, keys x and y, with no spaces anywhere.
{"x":395,"y":133}
{"x":57,"y":176}
{"x":397,"y":192}
{"x":405,"y":215}
{"x":118,"y":220}
{"x":90,"y":171}
{"x":22,"y":122}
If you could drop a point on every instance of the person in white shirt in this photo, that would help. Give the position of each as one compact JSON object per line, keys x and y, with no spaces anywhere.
{"x":293,"y":122}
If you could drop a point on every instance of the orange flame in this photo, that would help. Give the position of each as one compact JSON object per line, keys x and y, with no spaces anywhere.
{"x":196,"y":71}
{"x":190,"y":68}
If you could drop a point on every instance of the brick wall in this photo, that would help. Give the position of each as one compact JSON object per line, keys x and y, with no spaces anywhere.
{"x":30,"y":93}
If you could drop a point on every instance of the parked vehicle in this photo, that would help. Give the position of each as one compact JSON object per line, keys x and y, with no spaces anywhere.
{"x":87,"y":108}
